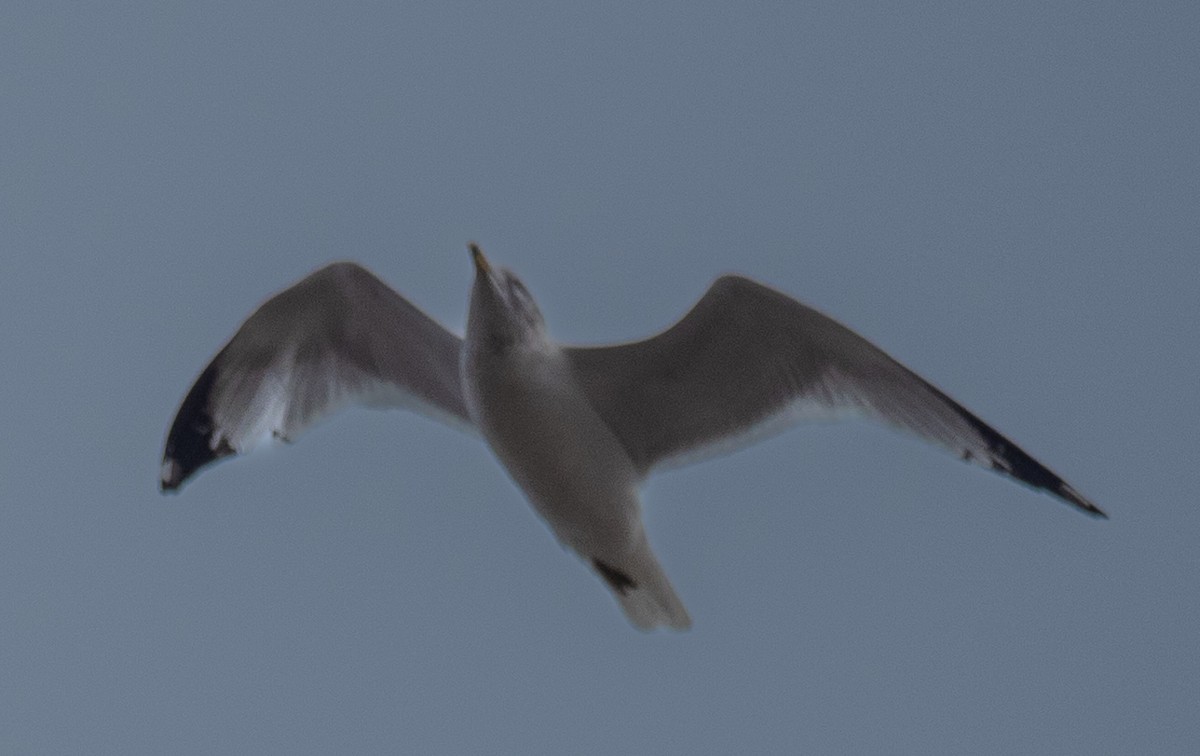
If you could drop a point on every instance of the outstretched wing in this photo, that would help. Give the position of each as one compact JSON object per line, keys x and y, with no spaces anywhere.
{"x":749,"y":359}
{"x":340,"y":335}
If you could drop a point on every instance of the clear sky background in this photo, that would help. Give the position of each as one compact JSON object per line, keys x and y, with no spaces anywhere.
{"x":1005,"y":196}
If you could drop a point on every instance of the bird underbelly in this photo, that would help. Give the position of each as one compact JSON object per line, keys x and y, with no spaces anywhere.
{"x":565,"y":460}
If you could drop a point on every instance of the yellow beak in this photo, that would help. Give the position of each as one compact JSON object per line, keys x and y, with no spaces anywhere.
{"x":481,"y":263}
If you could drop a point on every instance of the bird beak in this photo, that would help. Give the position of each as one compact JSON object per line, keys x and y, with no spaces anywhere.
{"x":481,"y":263}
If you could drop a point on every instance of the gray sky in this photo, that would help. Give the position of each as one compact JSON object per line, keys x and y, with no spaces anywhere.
{"x":1003,"y":196}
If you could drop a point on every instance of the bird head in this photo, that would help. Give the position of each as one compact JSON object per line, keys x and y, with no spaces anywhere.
{"x":503,"y":314}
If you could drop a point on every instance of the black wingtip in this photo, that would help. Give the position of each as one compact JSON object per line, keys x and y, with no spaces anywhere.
{"x":1072,"y":496}
{"x":1028,"y":470}
{"x":1011,"y":459}
{"x":1007,"y":458}
{"x":190,"y":444}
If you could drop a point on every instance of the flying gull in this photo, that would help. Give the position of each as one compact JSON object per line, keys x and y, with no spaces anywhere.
{"x":577,"y":428}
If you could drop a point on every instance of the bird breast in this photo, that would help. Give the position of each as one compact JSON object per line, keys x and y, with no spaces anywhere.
{"x":540,"y":425}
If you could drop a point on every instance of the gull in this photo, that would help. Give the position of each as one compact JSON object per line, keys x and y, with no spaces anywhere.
{"x":578,"y":429}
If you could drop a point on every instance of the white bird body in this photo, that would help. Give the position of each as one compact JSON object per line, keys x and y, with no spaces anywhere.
{"x":524,"y":399}
{"x":540,"y":426}
{"x":577,"y":428}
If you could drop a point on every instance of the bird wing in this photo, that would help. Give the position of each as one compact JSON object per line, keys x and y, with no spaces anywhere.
{"x":747,"y":360}
{"x":338,"y":336}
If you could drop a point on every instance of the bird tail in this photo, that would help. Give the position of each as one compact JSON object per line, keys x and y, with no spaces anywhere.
{"x":643,"y":590}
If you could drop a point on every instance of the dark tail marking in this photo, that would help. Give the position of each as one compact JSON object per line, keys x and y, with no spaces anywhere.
{"x":617,"y":580}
